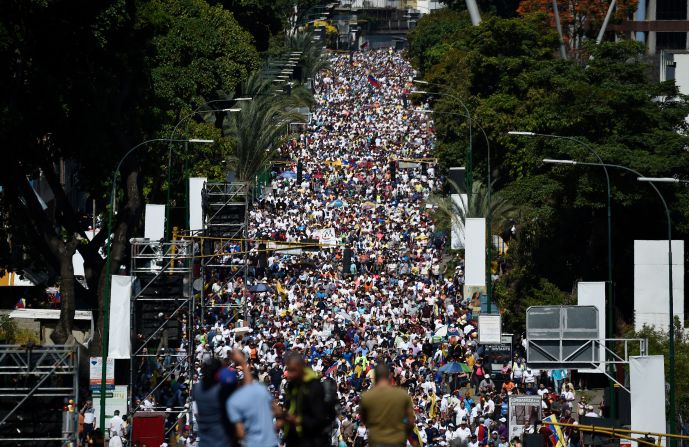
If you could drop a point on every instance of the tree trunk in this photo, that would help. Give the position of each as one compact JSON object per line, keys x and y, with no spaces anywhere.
{"x":64,"y":252}
{"x":127,"y":219}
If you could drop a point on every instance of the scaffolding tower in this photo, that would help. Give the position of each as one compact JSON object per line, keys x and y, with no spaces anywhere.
{"x":224,"y":248}
{"x":162,"y":308}
{"x":36,"y":384}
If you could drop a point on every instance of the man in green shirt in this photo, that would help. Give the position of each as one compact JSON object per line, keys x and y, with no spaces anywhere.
{"x":387,"y":411}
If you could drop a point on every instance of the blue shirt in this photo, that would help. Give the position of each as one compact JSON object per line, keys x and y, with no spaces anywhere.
{"x":209,"y":417}
{"x":251,"y":405}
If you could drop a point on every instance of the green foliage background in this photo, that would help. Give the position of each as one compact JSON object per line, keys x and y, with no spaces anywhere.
{"x":508,"y":73}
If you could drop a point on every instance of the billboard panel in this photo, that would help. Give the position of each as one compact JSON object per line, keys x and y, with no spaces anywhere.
{"x":523,"y":411}
{"x":651,"y":298}
{"x":593,"y":294}
{"x":647,"y":383}
{"x":196,"y":203}
{"x":475,"y":252}
{"x":489,"y":329}
{"x":154,"y":222}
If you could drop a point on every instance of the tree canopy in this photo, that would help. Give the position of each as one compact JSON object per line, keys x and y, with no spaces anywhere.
{"x":85,"y":82}
{"x":508,"y":73}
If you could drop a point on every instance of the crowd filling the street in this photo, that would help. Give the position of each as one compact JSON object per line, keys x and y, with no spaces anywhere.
{"x":368,"y":339}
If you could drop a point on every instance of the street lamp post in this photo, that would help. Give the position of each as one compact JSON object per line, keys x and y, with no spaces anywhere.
{"x":610,"y":285}
{"x":489,"y":211}
{"x":172,"y":135}
{"x":671,"y":330}
{"x":468,"y":157}
{"x":108,"y":261}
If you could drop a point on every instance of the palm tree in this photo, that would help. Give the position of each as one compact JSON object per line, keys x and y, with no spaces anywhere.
{"x":261,"y":125}
{"x":311,"y":58}
{"x":500,"y":209}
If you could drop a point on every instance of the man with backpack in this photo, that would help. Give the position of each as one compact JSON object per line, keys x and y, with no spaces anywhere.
{"x":307,"y":417}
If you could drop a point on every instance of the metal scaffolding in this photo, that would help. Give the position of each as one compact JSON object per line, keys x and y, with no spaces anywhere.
{"x":162,"y":308}
{"x":35,"y":384}
{"x":226,"y":220}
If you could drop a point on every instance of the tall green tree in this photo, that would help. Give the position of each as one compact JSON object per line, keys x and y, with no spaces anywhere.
{"x":511,"y":79}
{"x":261,"y":125}
{"x":86,"y":81}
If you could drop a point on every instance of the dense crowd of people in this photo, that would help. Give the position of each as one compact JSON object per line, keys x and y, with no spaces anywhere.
{"x":370,"y":311}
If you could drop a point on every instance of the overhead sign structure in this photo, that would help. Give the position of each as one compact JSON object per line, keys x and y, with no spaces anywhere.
{"x":593,"y":294}
{"x":562,"y":337}
{"x":489,"y":329}
{"x":96,"y":372}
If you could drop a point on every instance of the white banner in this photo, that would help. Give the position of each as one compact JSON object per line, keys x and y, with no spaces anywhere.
{"x":651,"y":299}
{"x":489,"y":329}
{"x":593,"y":294}
{"x":120,"y":314}
{"x":196,"y":203}
{"x":475,"y":252}
{"x":647,"y":383}
{"x":154,"y":222}
{"x":325,"y":236}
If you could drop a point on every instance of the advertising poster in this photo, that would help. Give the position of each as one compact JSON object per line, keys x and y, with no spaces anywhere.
{"x":523,"y":411}
{"x":96,"y":371}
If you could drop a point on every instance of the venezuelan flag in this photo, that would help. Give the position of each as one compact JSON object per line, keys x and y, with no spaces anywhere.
{"x":557,"y":439}
{"x":414,"y":437}
{"x":373,"y":81}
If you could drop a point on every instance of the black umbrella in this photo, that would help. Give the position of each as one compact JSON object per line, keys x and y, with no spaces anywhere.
{"x":261,"y":287}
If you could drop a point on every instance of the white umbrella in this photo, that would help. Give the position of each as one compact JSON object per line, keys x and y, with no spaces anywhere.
{"x":242,"y":330}
{"x":441,"y":332}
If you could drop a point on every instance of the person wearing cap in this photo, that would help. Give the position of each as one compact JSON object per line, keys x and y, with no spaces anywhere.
{"x":503,"y":429}
{"x":462,"y":434}
{"x":590,"y":412}
{"x":494,"y":439}
{"x":481,"y":432}
{"x":487,"y":385}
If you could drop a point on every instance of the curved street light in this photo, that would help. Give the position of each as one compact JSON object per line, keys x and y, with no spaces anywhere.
{"x":671,"y":329}
{"x":186,"y":120}
{"x":108,"y":260}
{"x":468,"y":158}
{"x":489,"y":216}
{"x":610,"y":285}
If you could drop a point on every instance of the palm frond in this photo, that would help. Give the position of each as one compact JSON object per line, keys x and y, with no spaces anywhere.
{"x":500,"y":209}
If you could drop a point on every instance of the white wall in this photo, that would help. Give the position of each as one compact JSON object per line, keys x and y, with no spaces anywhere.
{"x":651,"y":300}
{"x":475,"y":252}
{"x":593,"y":294}
{"x":647,"y":386}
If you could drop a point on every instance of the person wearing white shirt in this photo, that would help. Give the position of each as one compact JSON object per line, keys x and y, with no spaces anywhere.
{"x":463,"y":432}
{"x":115,"y":425}
{"x":460,"y":415}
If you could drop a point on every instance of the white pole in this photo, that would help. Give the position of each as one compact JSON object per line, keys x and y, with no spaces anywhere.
{"x":473,"y":12}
